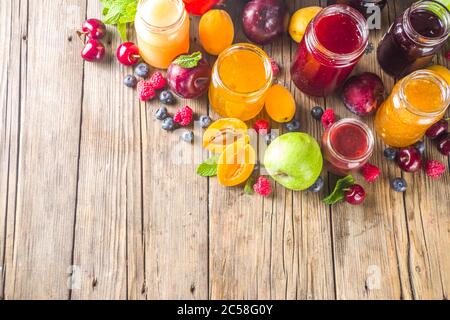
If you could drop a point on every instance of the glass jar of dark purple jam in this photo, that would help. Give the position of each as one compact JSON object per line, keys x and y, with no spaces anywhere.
{"x":414,"y":38}
{"x":363,"y":6}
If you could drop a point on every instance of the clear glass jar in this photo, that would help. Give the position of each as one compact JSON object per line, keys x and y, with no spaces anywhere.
{"x":333,"y":44}
{"x":414,"y":38}
{"x":162,"y":28}
{"x":241,"y":77}
{"x":415,"y":104}
{"x":347,"y":146}
{"x":363,"y":6}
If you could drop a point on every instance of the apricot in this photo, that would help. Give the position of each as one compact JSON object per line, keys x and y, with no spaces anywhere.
{"x":280,"y":104}
{"x":223,"y":133}
{"x":300,"y":21}
{"x":216,"y":31}
{"x":236,"y":164}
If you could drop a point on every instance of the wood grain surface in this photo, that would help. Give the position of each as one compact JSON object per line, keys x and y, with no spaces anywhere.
{"x":97,"y":202}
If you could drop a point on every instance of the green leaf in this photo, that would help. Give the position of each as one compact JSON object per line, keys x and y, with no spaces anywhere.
{"x":248,"y":189}
{"x":189,"y":61}
{"x":209,"y":167}
{"x":339,"y":193}
{"x":119,"y":13}
{"x":122,"y":29}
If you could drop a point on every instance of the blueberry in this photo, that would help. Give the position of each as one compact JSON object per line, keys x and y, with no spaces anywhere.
{"x":188,"y":136}
{"x":420,"y":146}
{"x":205,"y":121}
{"x":399,"y":184}
{"x":168,"y":124}
{"x":130,"y":81}
{"x":317,"y":186}
{"x":167,"y":97}
{"x":161,"y":113}
{"x":270,"y":137}
{"x":293,"y":126}
{"x":317,"y":113}
{"x":142,"y":70}
{"x":390,"y":154}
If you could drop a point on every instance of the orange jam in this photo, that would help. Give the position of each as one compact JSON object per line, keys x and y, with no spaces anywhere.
{"x":415,"y":104}
{"x":241,"y":78}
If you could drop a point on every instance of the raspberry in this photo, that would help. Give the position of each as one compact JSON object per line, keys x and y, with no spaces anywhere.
{"x":276,"y":69}
{"x":370,"y":172}
{"x":434,"y":169}
{"x":184,"y":116}
{"x":262,"y":127}
{"x":158,"y":81}
{"x":145,"y":90}
{"x":328,"y":118}
{"x":263,"y":187}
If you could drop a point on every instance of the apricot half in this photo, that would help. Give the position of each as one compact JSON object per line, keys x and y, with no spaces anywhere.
{"x":280,"y":104}
{"x":236,"y":164}
{"x":223,"y":133}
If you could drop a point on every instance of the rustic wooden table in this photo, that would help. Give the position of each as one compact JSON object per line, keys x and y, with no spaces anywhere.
{"x":92,"y":207}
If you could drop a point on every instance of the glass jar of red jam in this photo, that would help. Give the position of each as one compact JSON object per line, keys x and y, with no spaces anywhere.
{"x":347,"y":146}
{"x":363,"y":6}
{"x":333,"y":44}
{"x":414,"y":38}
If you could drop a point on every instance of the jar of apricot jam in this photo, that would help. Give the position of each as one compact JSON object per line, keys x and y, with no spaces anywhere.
{"x":241,"y":77}
{"x":415,"y":104}
{"x":333,"y":44}
{"x":347,"y":146}
{"x":414,"y":38}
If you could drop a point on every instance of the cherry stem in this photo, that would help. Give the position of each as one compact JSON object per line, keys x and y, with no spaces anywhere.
{"x":81,"y":34}
{"x":135,"y":56}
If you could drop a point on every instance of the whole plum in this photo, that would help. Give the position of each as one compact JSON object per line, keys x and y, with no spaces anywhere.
{"x":265,"y":20}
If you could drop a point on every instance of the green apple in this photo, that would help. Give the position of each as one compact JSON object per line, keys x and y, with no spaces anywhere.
{"x":294,"y":160}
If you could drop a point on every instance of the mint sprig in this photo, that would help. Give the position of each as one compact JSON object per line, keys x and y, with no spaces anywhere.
{"x":209,"y":167}
{"x":189,"y":61}
{"x":248,"y":189}
{"x":119,"y":13}
{"x":339,"y":191}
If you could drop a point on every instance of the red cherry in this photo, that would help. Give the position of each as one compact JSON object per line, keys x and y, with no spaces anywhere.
{"x":128,"y":54}
{"x":409,"y":159}
{"x":444,"y":145}
{"x":94,"y":29}
{"x":355,"y":195}
{"x":93,"y":51}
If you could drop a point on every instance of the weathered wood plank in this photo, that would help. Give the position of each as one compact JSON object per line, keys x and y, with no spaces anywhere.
{"x":428,"y":219}
{"x":275,"y":248}
{"x":370,"y":240}
{"x":175,"y":217}
{"x":108,"y":249}
{"x":50,"y":94}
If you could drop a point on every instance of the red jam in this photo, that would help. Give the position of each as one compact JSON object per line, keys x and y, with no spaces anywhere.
{"x":199,"y":7}
{"x":347,"y":145}
{"x":333,"y":44}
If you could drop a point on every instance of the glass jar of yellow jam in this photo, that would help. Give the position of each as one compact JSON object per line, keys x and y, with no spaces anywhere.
{"x":241,"y":77}
{"x":416,"y":103}
{"x":162,"y":28}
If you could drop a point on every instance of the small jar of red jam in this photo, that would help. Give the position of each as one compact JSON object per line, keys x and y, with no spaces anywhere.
{"x":414,"y":38}
{"x":333,"y":44}
{"x":347,"y":146}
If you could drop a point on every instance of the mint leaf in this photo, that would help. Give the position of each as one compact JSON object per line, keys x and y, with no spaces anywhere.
{"x":189,"y":61}
{"x":248,"y":189}
{"x":119,"y":13}
{"x":209,"y":167}
{"x":339,"y":193}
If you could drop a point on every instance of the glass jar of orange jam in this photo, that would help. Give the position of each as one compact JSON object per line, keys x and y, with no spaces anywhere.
{"x":241,"y":77}
{"x":416,"y":103}
{"x":162,"y":28}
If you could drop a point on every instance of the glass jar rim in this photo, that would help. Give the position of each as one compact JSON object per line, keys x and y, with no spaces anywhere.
{"x":163,"y":29}
{"x":363,"y":28}
{"x":249,"y":47}
{"x":429,"y":75}
{"x":429,"y":5}
{"x":367,"y":131}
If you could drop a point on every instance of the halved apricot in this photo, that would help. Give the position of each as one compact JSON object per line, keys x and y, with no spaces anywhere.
{"x":223,"y":133}
{"x":236,"y":164}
